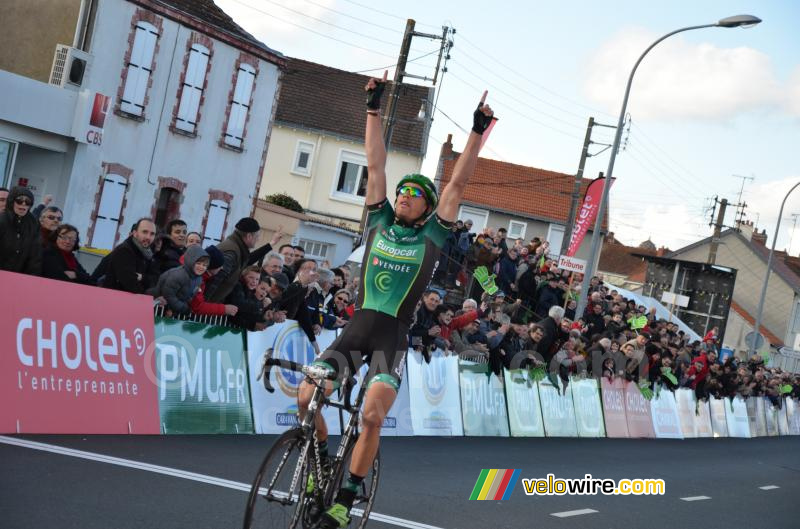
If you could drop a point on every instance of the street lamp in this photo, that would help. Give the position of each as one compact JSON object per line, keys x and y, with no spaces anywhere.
{"x":729,"y":22}
{"x":766,"y":277}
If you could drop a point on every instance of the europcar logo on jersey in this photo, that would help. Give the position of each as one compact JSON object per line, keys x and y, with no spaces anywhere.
{"x":433,"y":382}
{"x":398,"y":253}
{"x":292,"y":344}
{"x":287,"y":417}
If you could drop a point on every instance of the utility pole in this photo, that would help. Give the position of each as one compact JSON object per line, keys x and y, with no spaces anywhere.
{"x":712,"y":251}
{"x":576,"y":190}
{"x":400,"y":74}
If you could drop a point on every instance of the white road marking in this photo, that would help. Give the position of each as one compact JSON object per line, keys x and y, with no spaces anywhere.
{"x":183,"y":474}
{"x":769,"y":487}
{"x":567,"y":514}
{"x":696,"y":498}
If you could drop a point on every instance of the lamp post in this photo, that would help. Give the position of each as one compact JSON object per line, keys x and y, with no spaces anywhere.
{"x":769,"y":269}
{"x":729,"y":22}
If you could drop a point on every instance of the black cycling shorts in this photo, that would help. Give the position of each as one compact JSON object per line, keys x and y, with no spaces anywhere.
{"x":374,"y":338}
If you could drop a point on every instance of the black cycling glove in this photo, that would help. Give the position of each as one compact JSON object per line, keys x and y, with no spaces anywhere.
{"x":480,"y":121}
{"x":374,"y":95}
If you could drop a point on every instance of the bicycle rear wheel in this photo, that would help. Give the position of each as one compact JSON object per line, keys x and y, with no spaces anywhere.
{"x":278,"y":490}
{"x":365,"y":498}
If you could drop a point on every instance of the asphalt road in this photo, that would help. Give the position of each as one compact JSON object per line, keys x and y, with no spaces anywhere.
{"x":425,"y":482}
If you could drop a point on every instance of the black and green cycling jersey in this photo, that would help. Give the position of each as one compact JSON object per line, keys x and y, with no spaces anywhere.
{"x":399,"y":262}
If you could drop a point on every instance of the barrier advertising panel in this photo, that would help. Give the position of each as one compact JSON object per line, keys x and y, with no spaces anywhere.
{"x":685,"y":400}
{"x":398,"y":421}
{"x":85,"y":365}
{"x":783,"y":419}
{"x":613,"y":394}
{"x":770,"y":416}
{"x":666,"y":423}
{"x":637,"y":411}
{"x":755,"y":413}
{"x":736,"y":417}
{"x":276,"y":412}
{"x":588,"y":410}
{"x":718,"y":422}
{"x":792,"y":415}
{"x":202,"y":378}
{"x":524,"y":409}
{"x":558,"y":411}
{"x":702,"y":419}
{"x":483,"y":400}
{"x":434,"y":394}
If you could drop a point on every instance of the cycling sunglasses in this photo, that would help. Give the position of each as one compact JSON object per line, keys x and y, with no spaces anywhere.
{"x":410,"y":191}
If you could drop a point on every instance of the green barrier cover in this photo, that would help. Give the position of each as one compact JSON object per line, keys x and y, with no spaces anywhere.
{"x":483,"y":401}
{"x":202,"y":378}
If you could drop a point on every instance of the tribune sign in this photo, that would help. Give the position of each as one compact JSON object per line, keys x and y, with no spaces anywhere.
{"x":571,"y":264}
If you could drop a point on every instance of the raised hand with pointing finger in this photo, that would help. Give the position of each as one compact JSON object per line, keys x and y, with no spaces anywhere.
{"x":482,"y":117}
{"x":374,"y":91}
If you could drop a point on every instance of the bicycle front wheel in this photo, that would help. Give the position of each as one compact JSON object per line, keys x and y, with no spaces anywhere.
{"x":278,"y":490}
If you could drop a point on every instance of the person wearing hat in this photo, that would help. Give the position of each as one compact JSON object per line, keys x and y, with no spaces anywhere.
{"x":20,"y":242}
{"x":198,"y":303}
{"x":402,"y":247}
{"x":179,"y":285}
{"x":236,"y":254}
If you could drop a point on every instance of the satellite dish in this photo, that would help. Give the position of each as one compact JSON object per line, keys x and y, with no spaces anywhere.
{"x":754,"y":340}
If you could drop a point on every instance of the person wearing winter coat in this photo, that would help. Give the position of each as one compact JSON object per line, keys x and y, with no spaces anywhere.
{"x":130,"y":265}
{"x":179,"y":285}
{"x":172,"y":247}
{"x":507,"y":274}
{"x":58,"y":258}
{"x":20,"y":240}
{"x":198,"y":303}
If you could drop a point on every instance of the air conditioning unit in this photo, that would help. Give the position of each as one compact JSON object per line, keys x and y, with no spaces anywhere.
{"x":69,"y":67}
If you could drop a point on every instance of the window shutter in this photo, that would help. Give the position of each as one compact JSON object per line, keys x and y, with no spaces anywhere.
{"x":234,"y":135}
{"x":192,"y":88}
{"x":108,"y":212}
{"x":217,"y":213}
{"x":139,"y":69}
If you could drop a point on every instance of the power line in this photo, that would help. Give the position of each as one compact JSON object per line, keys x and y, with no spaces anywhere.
{"x":655,"y":144}
{"x":465,"y":131}
{"x":385,"y":13}
{"x":311,"y":30}
{"x":668,"y":176}
{"x":362,"y":20}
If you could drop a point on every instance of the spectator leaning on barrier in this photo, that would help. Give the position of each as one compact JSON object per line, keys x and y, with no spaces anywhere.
{"x":172,"y":247}
{"x":130,"y":265}
{"x":273,"y":263}
{"x":243,"y":295}
{"x":59,"y":260}
{"x":236,"y":250}
{"x":180,"y":284}
{"x":550,"y":325}
{"x":287,"y":251}
{"x":198,"y":303}
{"x":425,"y":330}
{"x":20,"y":241}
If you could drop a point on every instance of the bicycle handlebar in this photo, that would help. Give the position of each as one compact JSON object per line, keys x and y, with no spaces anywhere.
{"x":311,"y":371}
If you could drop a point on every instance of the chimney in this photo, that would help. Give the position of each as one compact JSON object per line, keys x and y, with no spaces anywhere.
{"x":447,"y":148}
{"x":759,"y":238}
{"x":445,"y":154}
{"x":610,"y":237}
{"x":662,"y":251}
{"x":746,"y":229}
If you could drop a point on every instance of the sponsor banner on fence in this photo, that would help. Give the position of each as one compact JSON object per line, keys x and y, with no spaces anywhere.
{"x":524,"y":409}
{"x":783,"y":419}
{"x":613,"y":394}
{"x":588,"y":410}
{"x":702,"y":419}
{"x":277,"y":412}
{"x":558,"y":411}
{"x":770,"y":417}
{"x":755,"y":414}
{"x":637,"y":411}
{"x":434,"y":394}
{"x":685,"y":400}
{"x":792,"y":415}
{"x":719,"y":425}
{"x":736,"y":417}
{"x":664,"y":410}
{"x":81,"y":366}
{"x":483,"y":400}
{"x":202,"y":378}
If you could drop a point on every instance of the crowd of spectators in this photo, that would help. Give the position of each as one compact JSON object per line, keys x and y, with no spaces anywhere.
{"x":531,"y":321}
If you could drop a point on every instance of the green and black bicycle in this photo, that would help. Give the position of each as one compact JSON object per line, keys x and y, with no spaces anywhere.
{"x":293,"y":487}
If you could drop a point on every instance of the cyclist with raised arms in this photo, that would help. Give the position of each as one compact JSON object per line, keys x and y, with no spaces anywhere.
{"x":402,"y":246}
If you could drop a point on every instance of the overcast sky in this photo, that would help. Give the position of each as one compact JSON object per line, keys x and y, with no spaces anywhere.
{"x":705,"y":105}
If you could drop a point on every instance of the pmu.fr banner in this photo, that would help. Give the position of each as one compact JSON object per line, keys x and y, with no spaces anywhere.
{"x":524,"y":410}
{"x":558,"y":411}
{"x":588,"y":410}
{"x":75,"y":359}
{"x":666,"y":423}
{"x":637,"y":411}
{"x":277,"y":412}
{"x":202,"y":378}
{"x":434,"y":394}
{"x":483,"y":401}
{"x":585,"y":218}
{"x":613,"y":393}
